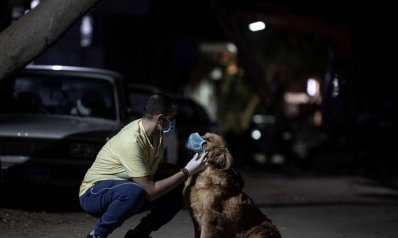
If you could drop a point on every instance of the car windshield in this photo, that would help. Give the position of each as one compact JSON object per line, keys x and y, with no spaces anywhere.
{"x":62,"y":95}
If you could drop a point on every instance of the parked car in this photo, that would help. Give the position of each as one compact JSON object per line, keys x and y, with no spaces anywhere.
{"x":271,"y":140}
{"x":191,"y":117}
{"x":55,"y":119}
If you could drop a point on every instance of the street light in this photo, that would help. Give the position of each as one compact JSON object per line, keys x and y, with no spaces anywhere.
{"x":257,"y":26}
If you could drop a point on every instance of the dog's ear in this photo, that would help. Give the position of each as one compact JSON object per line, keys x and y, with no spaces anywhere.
{"x":225,"y":160}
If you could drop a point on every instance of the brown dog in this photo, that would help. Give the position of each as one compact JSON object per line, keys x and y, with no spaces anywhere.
{"x":215,"y":200}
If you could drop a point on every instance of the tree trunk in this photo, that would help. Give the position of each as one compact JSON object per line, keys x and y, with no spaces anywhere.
{"x":36,"y":31}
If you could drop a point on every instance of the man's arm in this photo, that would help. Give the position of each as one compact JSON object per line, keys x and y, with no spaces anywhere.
{"x":168,"y":169}
{"x":159,"y":188}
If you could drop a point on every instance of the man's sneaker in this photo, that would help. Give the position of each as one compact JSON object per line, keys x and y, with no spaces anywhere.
{"x":131,"y":234}
{"x":94,"y":236}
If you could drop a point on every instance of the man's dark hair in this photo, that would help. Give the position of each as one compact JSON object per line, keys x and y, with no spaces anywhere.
{"x":158,"y":103}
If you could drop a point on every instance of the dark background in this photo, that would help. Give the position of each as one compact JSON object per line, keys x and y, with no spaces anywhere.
{"x":157,"y":42}
{"x":159,"y":39}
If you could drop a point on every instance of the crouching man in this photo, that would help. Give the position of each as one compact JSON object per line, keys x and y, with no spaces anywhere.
{"x":120,"y":183}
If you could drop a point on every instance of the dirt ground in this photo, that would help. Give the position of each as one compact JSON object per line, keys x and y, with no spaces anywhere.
{"x":18,"y":223}
{"x":42,"y":212}
{"x":22,"y":224}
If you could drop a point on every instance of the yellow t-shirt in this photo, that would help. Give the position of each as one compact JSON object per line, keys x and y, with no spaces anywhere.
{"x":126,"y":155}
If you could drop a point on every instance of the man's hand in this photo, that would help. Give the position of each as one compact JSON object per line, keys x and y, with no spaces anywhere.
{"x":196,"y":165}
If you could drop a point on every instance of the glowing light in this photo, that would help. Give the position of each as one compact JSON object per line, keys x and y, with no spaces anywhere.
{"x":336,"y":87}
{"x":216,"y":74}
{"x":257,"y":26}
{"x":34,"y":3}
{"x":86,"y":30}
{"x":257,"y":118}
{"x":17,"y":12}
{"x":311,"y":87}
{"x":57,"y":67}
{"x":256,"y":134}
{"x":296,"y":98}
{"x":232,"y":48}
{"x":277,"y":159}
{"x":263,"y":119}
{"x":260,"y":158}
{"x":86,"y":27}
{"x":317,"y":118}
{"x":232,"y":69}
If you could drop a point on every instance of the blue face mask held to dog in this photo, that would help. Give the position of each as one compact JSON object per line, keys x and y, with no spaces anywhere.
{"x":195,"y":143}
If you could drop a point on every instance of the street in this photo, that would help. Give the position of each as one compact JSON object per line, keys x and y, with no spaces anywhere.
{"x":314,"y":207}
{"x":300,"y":206}
{"x":328,"y":221}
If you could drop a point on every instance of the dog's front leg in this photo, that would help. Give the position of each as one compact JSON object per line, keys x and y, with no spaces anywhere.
{"x":209,"y":231}
{"x":198,"y":234}
{"x":211,"y":226}
{"x":204,"y":232}
{"x":196,"y":227}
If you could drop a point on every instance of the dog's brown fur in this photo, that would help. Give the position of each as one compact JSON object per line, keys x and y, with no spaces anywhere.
{"x":216,"y":202}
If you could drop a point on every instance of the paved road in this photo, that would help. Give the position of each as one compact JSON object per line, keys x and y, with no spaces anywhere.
{"x":310,"y":207}
{"x":301,"y":206}
{"x":353,"y":221}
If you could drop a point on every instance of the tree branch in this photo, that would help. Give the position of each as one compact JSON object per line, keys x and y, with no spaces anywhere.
{"x":36,"y":31}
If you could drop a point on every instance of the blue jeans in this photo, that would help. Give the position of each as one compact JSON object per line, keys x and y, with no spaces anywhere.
{"x":115,"y":201}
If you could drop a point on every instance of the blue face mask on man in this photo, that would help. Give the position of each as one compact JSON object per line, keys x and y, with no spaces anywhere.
{"x":195,"y":143}
{"x":172,"y":125}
